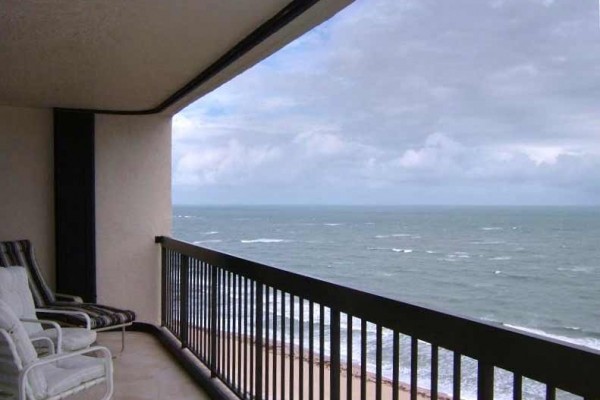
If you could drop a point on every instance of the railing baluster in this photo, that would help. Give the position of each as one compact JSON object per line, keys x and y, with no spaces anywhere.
{"x":251,"y":336}
{"x":550,"y":392}
{"x":456,"y":375}
{"x":434,"y":372}
{"x":213,"y":321}
{"x":334,"y":354}
{"x":414,"y":365}
{"x":240,"y":334}
{"x":349,"y":375}
{"x":229,"y":330}
{"x":282,"y":345}
{"x":378,"y":362}
{"x":311,"y":350}
{"x":258,"y":394}
{"x":220,"y":321}
{"x":321,"y":352}
{"x":363,"y":359}
{"x":517,"y":387}
{"x":267,"y":321}
{"x":301,"y":350}
{"x":485,"y":381}
{"x":291,"y":379}
{"x":274,"y":393}
{"x":245,"y":336}
{"x":183,"y":300}
{"x":395,"y":365}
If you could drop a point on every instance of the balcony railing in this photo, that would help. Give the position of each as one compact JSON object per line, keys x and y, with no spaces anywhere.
{"x":267,"y":333}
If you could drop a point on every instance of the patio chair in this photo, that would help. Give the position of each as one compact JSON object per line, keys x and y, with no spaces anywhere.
{"x":26,"y":376}
{"x":67,"y":309}
{"x":14,"y":291}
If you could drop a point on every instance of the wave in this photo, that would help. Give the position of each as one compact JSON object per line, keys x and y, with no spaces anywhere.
{"x":264,"y":240}
{"x":488,"y":242}
{"x":500,"y":258}
{"x":398,"y":235}
{"x":210,"y":233}
{"x":333,"y":224}
{"x":589,"y":342}
{"x":208,"y":241}
{"x":402,"y":250}
{"x":491,"y":228}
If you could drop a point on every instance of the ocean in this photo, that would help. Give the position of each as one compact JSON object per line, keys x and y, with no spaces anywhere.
{"x":533,"y":268}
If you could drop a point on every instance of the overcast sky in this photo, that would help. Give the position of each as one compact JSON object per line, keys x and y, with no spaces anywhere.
{"x":408,"y":102}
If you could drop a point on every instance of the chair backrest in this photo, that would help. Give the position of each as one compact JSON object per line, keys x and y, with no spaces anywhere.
{"x":17,"y":352}
{"x":14,"y":291}
{"x":20,"y":252}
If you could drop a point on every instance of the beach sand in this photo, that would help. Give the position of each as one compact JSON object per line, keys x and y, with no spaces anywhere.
{"x":242,"y":377}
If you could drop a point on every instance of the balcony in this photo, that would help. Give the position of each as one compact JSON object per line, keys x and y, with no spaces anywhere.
{"x":260,"y":332}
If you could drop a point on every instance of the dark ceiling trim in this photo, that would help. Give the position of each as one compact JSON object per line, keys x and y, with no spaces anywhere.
{"x":263,"y":32}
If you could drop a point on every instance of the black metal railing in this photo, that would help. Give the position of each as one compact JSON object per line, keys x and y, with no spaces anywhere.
{"x":267,"y":333}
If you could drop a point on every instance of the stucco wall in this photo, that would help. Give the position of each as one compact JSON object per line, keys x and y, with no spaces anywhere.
{"x":26,"y":181}
{"x":133,"y":205}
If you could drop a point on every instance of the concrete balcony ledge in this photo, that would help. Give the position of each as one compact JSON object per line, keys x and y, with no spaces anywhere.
{"x":145,"y":370}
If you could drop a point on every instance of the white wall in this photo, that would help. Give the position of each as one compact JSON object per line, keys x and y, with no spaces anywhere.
{"x":26,"y":181}
{"x":133,"y":205}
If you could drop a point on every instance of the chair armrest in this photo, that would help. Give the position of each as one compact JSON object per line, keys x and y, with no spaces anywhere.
{"x":74,"y":299}
{"x":107,"y":357}
{"x":47,"y":340}
{"x":54,"y":325}
{"x":11,"y":345}
{"x":88,"y":321}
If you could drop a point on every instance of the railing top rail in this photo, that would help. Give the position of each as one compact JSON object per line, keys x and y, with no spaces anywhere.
{"x":560,"y":364}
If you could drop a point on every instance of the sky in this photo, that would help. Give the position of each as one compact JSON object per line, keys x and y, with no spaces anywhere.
{"x":393,"y":102}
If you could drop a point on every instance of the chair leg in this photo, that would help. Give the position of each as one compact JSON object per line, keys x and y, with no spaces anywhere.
{"x":122,"y":339}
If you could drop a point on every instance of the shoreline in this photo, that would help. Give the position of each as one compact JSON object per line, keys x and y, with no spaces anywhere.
{"x":276,"y":351}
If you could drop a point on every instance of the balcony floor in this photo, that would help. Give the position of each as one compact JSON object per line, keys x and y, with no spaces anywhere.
{"x":144,"y":371}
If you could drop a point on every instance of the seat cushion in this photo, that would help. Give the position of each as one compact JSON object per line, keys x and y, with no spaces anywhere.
{"x":72,"y":338}
{"x":14,"y":291}
{"x":72,"y":372}
{"x":101,"y":316}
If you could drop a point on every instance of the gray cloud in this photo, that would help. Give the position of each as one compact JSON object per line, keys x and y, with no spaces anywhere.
{"x":391,"y":101}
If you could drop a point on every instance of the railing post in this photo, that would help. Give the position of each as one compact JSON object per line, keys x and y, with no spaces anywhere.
{"x":213,"y":322}
{"x":183,"y":300}
{"x":258,"y":352}
{"x":485,"y":381}
{"x":335,"y":355}
{"x":163,"y":285}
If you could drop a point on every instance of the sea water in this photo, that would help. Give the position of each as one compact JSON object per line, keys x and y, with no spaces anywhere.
{"x":533,"y":268}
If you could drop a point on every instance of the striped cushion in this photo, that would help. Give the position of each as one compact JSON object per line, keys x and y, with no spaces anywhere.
{"x":20,"y":252}
{"x":101,"y":316}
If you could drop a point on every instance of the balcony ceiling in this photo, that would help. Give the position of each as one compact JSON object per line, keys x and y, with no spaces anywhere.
{"x":131,"y":55}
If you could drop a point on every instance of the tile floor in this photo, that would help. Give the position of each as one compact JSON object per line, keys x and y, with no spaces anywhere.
{"x":144,"y":371}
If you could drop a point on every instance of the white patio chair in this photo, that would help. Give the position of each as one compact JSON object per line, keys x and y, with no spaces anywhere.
{"x":23,"y":375}
{"x":15,"y":291}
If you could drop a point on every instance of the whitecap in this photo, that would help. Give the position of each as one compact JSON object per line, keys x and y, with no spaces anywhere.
{"x":264,"y":240}
{"x":402,"y":235}
{"x":430,"y":252}
{"x":590,"y":342}
{"x":491,"y":228}
{"x":332,"y":224}
{"x":501,"y":258}
{"x":210,"y":233}
{"x":497,"y":272}
{"x":208,"y":241}
{"x":402,"y":250}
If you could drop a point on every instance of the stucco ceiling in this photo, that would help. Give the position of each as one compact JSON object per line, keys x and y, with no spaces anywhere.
{"x":129,"y":55}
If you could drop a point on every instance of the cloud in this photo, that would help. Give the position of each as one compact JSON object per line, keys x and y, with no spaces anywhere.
{"x":389,"y":97}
